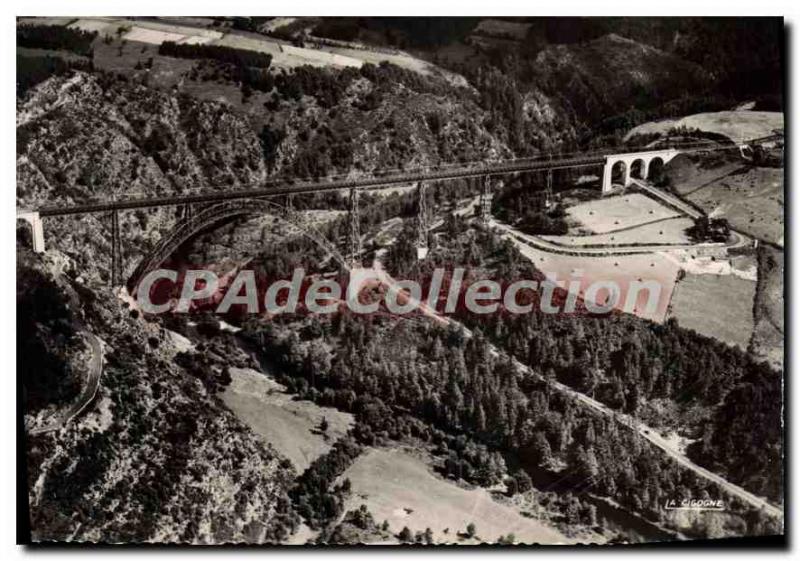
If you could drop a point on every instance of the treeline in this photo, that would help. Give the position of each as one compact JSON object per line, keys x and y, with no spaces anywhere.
{"x":327,"y":86}
{"x":314,"y":495}
{"x":229,"y":55}
{"x":339,"y":29}
{"x":56,"y":37}
{"x":526,"y":209}
{"x":396,"y":32}
{"x":420,"y":32}
{"x":744,"y":437}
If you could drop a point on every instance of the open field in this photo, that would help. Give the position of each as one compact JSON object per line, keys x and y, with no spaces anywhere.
{"x":151,"y":32}
{"x":719,"y":306}
{"x":751,"y":198}
{"x":736,"y":125}
{"x":752,"y":202}
{"x":401,"y":489}
{"x":502,"y":28}
{"x":116,"y":57}
{"x":153,"y":36}
{"x":288,"y":56}
{"x":667,"y":231}
{"x":276,"y":23}
{"x":291,"y":427}
{"x":101,"y":26}
{"x":283,"y":54}
{"x":400,"y":59}
{"x":609,"y":214}
{"x":620,"y":269}
{"x":46,"y":20}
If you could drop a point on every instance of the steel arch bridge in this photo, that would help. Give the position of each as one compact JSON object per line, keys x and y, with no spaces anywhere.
{"x":254,"y":200}
{"x":192,"y":225}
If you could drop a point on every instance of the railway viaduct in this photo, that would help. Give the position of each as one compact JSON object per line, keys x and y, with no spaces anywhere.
{"x":635,"y":165}
{"x":215,"y":204}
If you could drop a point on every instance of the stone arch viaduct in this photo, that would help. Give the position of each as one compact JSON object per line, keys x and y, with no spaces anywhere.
{"x":642,"y":160}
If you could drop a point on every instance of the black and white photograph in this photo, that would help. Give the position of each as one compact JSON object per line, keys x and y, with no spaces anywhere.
{"x":408,"y":280}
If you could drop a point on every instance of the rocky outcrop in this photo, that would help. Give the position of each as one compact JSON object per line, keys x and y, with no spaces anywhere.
{"x":157,"y":457}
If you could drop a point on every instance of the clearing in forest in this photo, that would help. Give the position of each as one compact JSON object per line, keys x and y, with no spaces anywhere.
{"x":719,"y":306}
{"x":291,"y":426}
{"x":620,"y":212}
{"x":401,"y":489}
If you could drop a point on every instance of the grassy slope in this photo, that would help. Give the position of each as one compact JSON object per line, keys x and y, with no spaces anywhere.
{"x":719,"y":306}
{"x":291,"y":427}
{"x":400,"y":488}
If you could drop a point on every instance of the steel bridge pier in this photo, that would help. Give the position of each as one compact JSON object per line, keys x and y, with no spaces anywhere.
{"x":116,"y":251}
{"x":423,"y":220}
{"x":485,"y":201}
{"x":353,"y":230}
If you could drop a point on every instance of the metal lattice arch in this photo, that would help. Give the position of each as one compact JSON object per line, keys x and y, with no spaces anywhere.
{"x":189,"y":227}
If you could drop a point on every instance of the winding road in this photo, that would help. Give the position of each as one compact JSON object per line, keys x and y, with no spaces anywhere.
{"x":736,"y":240}
{"x":89,"y":389}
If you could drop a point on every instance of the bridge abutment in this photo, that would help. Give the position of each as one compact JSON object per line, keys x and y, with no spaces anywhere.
{"x":37,"y":228}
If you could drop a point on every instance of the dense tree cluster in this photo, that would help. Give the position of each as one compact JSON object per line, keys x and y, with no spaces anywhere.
{"x":340,"y":29}
{"x":744,"y":436}
{"x":229,"y":55}
{"x":709,"y":229}
{"x":502,"y":96}
{"x":46,"y":335}
{"x":314,"y":495}
{"x":420,"y":32}
{"x":526,"y":209}
{"x":56,"y":37}
{"x":248,"y":23}
{"x":325,"y":85}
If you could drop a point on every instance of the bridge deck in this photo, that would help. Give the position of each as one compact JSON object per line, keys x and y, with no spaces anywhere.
{"x":378,"y":181}
{"x":369,"y":183}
